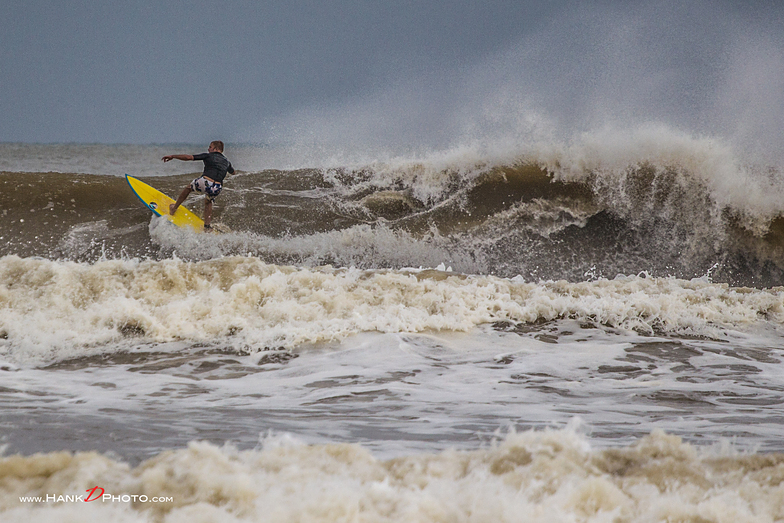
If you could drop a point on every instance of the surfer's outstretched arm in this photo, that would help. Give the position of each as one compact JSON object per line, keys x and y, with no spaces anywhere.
{"x":183,"y":157}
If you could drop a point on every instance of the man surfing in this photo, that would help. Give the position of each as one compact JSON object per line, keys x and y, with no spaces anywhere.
{"x":209,"y":183}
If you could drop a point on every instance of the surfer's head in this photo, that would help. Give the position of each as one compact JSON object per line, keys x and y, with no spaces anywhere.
{"x":216,"y":146}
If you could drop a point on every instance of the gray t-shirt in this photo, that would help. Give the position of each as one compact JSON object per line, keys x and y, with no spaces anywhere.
{"x":215,"y":165}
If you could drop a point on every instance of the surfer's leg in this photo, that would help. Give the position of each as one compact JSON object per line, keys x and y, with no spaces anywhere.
{"x":207,"y":212}
{"x":184,"y":194}
{"x":211,"y":190}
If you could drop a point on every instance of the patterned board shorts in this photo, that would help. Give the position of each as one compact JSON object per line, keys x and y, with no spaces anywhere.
{"x":208,"y":187}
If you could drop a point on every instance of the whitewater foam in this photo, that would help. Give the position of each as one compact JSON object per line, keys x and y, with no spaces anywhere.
{"x":54,"y":310}
{"x":539,"y":476}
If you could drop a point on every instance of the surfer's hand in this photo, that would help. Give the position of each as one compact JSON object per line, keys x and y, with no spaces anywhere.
{"x":167,"y":158}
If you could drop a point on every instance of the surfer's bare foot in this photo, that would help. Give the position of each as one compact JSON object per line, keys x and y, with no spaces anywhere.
{"x":172,"y":208}
{"x":207,"y":227}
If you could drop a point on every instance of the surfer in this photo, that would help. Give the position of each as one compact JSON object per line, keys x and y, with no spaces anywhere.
{"x":210,"y":182}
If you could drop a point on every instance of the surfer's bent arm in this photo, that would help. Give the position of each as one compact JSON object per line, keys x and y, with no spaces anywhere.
{"x":183,"y":157}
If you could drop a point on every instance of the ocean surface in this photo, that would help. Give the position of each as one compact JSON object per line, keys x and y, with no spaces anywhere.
{"x":582,"y":331}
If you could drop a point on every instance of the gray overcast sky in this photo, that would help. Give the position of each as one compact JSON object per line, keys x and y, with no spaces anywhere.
{"x":154,"y":70}
{"x":151,"y":71}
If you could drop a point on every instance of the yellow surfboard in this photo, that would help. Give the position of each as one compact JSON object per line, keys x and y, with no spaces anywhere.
{"x":159,"y":203}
